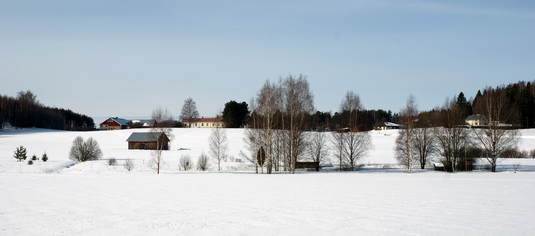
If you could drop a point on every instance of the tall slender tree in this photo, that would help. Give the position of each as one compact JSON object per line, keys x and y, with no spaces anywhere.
{"x":355,"y":142}
{"x":450,"y":133}
{"x":299,"y":104}
{"x":408,"y":116}
{"x":163,"y":123}
{"x":497,"y":135}
{"x":189,"y":111}
{"x":218,"y":143}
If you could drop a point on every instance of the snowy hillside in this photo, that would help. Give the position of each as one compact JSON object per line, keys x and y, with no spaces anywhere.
{"x":60,"y":197}
{"x":190,"y":142}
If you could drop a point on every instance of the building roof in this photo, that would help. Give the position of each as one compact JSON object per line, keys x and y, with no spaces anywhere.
{"x":390,"y":124}
{"x":116,"y":119}
{"x":144,"y":136}
{"x":144,"y":122}
{"x":475,"y":117}
{"x":208,"y":120}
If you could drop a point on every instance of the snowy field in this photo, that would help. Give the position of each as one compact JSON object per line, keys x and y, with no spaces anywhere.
{"x":60,"y":197}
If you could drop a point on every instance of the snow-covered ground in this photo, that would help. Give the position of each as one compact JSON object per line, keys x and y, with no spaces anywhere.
{"x":60,"y":197}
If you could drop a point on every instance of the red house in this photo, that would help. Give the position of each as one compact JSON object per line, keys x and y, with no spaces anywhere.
{"x":113,"y":123}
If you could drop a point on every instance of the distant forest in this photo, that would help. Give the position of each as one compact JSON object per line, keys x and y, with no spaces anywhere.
{"x":520,"y":98}
{"x":25,"y":111}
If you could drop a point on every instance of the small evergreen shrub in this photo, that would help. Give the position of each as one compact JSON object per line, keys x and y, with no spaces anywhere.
{"x":20,"y":153}
{"x":34,"y":157}
{"x":45,"y":157}
{"x":30,"y":162}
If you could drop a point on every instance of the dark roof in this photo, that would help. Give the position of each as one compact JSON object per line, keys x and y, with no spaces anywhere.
{"x":116,"y":119}
{"x":475,"y":117}
{"x":208,"y":120}
{"x":144,"y":136}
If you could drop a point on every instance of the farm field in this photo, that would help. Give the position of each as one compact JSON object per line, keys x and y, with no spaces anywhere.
{"x":60,"y":197}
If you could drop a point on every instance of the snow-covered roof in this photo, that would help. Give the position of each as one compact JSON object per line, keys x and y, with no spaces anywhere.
{"x":390,"y":124}
{"x":144,"y":122}
{"x":118,"y":120}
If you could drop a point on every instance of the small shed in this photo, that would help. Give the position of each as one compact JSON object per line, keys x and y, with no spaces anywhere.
{"x":148,"y":140}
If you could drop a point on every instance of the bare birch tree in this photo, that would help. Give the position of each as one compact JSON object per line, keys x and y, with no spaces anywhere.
{"x":425,"y":142}
{"x":355,"y":142}
{"x":278,"y":117}
{"x":163,"y":121}
{"x":337,"y":142}
{"x":450,"y":133}
{"x":252,"y":137}
{"x":218,"y":143}
{"x":497,"y":135}
{"x":299,"y":104}
{"x":408,"y":117}
{"x":266,"y":110}
{"x":189,"y":111}
{"x":317,"y":146}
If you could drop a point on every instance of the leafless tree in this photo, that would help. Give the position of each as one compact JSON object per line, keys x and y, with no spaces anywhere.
{"x":318,"y":148}
{"x":354,"y":143}
{"x":203,"y":163}
{"x":184,"y":163}
{"x":163,"y":121}
{"x":337,"y":142}
{"x":497,"y":136}
{"x":450,"y":133}
{"x":189,"y":111}
{"x":358,"y":144}
{"x":265,"y":115}
{"x":85,"y":151}
{"x":402,"y":151}
{"x":252,"y":137}
{"x":299,"y":104}
{"x":218,"y":142}
{"x":129,"y":164}
{"x":425,"y":143}
{"x":409,"y":116}
{"x":278,"y":119}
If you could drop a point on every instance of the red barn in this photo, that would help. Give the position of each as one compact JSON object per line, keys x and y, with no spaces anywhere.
{"x":114,"y":123}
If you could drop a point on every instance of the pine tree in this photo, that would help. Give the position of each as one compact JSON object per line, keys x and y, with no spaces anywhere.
{"x":20,"y":153}
{"x":45,"y":157}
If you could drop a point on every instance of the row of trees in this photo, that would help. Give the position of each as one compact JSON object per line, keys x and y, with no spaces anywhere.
{"x":279,"y":125}
{"x":442,"y":131}
{"x":25,"y":111}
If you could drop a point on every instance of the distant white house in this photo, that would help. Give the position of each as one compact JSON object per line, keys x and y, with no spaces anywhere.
{"x":476,"y":120}
{"x":388,"y":125}
{"x":204,"y":122}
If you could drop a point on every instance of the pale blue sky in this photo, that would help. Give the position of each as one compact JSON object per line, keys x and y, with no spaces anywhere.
{"x":125,"y":58}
